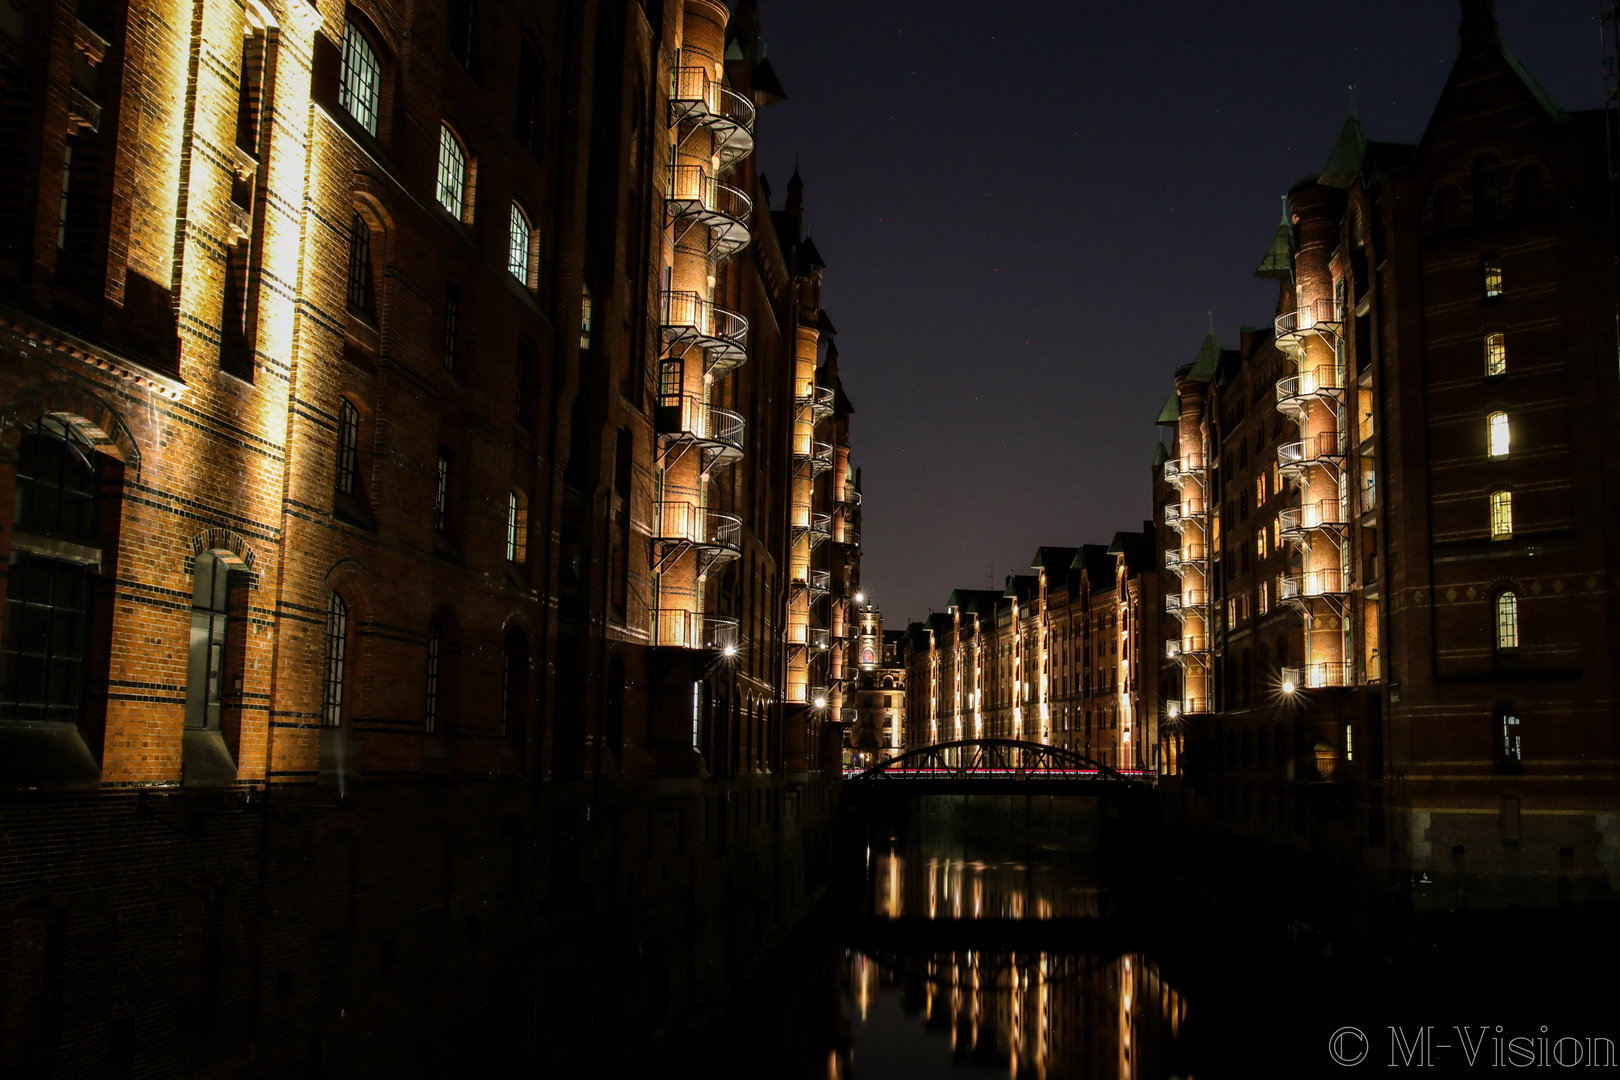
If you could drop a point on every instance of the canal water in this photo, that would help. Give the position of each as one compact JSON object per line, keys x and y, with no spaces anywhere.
{"x":948,"y":950}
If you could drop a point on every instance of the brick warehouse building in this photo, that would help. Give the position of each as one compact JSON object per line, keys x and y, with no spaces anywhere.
{"x":1394,"y":525}
{"x":386,"y":609}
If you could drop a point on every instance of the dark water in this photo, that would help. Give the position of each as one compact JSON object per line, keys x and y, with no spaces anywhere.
{"x":953,"y":953}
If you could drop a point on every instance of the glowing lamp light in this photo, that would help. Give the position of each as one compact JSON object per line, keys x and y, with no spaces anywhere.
{"x":821,"y":703}
{"x":1288,"y":686}
{"x":730,"y":650}
{"x":860,"y":598}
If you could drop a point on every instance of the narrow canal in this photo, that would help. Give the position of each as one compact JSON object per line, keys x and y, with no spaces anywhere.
{"x":952,"y":948}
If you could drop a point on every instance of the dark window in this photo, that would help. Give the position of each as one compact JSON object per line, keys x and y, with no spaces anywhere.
{"x":337,"y":650}
{"x":359,"y":264}
{"x":452,"y":319}
{"x":205,"y":667}
{"x":435,"y":642}
{"x":56,"y":484}
{"x":348,"y":446}
{"x":528,"y":98}
{"x":1509,"y":753}
{"x":459,"y":32}
{"x":441,"y":493}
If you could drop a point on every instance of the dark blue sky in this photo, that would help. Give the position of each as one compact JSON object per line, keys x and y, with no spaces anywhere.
{"x":1027,"y":220}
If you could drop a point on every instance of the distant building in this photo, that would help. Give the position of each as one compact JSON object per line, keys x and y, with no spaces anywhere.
{"x":879,"y":699}
{"x":1392,"y":521}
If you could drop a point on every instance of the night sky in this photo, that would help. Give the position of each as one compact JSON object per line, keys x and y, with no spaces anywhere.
{"x":1028,"y":211}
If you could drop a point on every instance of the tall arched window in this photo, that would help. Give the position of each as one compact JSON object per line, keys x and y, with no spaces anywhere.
{"x":1498,"y":433}
{"x":452,"y":186}
{"x":359,"y":293}
{"x":1507,"y":620}
{"x":1495,"y":352}
{"x":337,"y":655}
{"x":435,"y":642}
{"x":519,"y":242}
{"x":205,"y":667}
{"x":517,"y":526}
{"x":360,"y":92}
{"x":55,"y":545}
{"x":348,"y":446}
{"x":1501,"y":515}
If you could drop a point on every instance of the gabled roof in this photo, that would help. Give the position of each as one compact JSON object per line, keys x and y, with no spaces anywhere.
{"x":1136,"y":547}
{"x":808,"y":255}
{"x":1094,"y":561}
{"x":1054,"y":560}
{"x":767,"y":87}
{"x":825,"y":325}
{"x":974,"y":601}
{"x":1022,"y":587}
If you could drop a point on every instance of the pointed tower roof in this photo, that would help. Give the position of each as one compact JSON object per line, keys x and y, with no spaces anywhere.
{"x":1171,"y":413}
{"x":1278,"y":261}
{"x":1208,"y":360}
{"x":1345,"y":159}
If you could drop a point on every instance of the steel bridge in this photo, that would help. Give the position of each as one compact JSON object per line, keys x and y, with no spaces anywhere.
{"x":969,"y":766}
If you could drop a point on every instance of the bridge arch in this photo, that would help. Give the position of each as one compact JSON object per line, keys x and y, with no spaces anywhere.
{"x":998,"y":759}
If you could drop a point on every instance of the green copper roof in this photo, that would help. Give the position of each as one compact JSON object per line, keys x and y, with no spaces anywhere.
{"x":1345,"y":159}
{"x":1172,"y":409}
{"x":1207,"y":361}
{"x":1160,"y":456}
{"x":1278,"y":261}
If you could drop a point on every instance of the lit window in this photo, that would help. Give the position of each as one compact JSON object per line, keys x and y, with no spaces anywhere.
{"x":430,"y":711}
{"x":359,"y":263}
{"x":1507,"y":621}
{"x":452,"y":323}
{"x":361,"y":91}
{"x":1493,"y":279}
{"x":337,"y":638}
{"x":1501,"y":515}
{"x":585,"y":318}
{"x":441,"y":493}
{"x":1495,"y":354}
{"x":1259,"y":491}
{"x":452,"y":172}
{"x":1509,"y":753}
{"x":1497,"y":425}
{"x":511,"y":526}
{"x":1260,"y":542}
{"x":348,"y":446}
{"x":517,"y":245}
{"x":1349,"y":744}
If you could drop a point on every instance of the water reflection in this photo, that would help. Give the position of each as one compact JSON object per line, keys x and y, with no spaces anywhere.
{"x":1000,"y":958}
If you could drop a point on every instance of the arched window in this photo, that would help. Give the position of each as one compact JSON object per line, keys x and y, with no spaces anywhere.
{"x":1495,"y":354}
{"x":359,"y":295}
{"x":1487,"y":190}
{"x":452,"y":186}
{"x":55,"y":552}
{"x":1507,"y":620}
{"x":1501,"y":515}
{"x":519,"y":244}
{"x":441,"y":493}
{"x":205,"y":667}
{"x":1496,"y":426}
{"x":337,"y":654}
{"x":361,"y":90}
{"x":430,"y":706}
{"x":348,"y":446}
{"x":1509,"y":752}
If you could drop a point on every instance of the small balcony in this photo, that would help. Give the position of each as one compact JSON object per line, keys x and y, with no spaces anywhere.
{"x":817,"y":405}
{"x":1318,"y":317}
{"x":1323,"y":448}
{"x":697,"y":96}
{"x":1321,"y":383}
{"x":820,"y":527}
{"x":680,"y":526}
{"x":1297,"y":521}
{"x":1187,"y":647}
{"x":1178,"y":602}
{"x":1309,"y":583}
{"x":817,"y":696}
{"x":688,"y":420}
{"x":1180,"y":516}
{"x":811,"y":456}
{"x":1177,"y":471}
{"x":1315,"y":676}
{"x":1189,"y":558}
{"x":1178,"y":708}
{"x":693,"y":630}
{"x":697,"y":199}
{"x":690,"y":321}
{"x":819,"y":638}
{"x":820,"y":584}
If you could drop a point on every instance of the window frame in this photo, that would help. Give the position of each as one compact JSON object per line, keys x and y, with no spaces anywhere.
{"x":337,"y":659}
{"x":357,"y":86}
{"x":1498,"y":434}
{"x":1501,"y":503}
{"x":520,"y":250}
{"x":430,"y":701}
{"x":451,"y":177}
{"x":348,"y":447}
{"x":1495,"y":354}
{"x":441,"y":494}
{"x":1507,"y":621}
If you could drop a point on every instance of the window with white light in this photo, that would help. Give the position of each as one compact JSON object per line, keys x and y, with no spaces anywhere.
{"x":518,"y":242}
{"x":360,"y":92}
{"x":1496,"y":426}
{"x":1493,"y":279}
{"x":452,"y":186}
